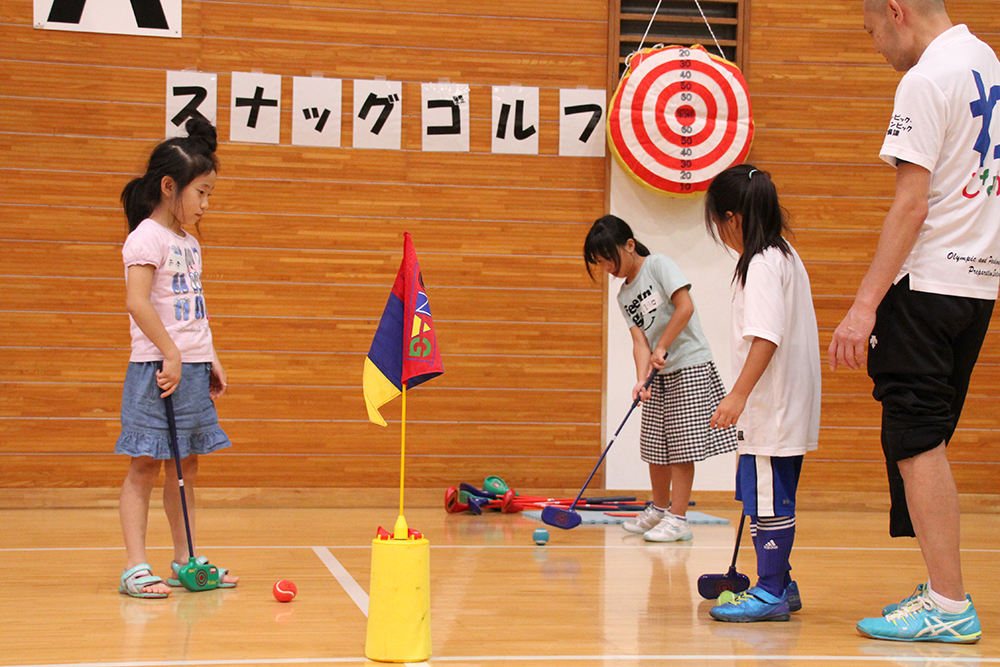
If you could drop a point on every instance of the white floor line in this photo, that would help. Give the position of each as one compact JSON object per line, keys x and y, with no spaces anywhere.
{"x":344,"y":577}
{"x":930,"y":661}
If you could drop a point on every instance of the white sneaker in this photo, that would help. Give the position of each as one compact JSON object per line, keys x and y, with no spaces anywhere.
{"x":670,"y":529}
{"x":649,"y":518}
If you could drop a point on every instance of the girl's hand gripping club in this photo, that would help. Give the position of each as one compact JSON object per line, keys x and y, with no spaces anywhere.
{"x":198,"y":574}
{"x":564,"y":518}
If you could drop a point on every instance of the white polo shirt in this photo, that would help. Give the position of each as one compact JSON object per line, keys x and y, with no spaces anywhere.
{"x":946,"y":118}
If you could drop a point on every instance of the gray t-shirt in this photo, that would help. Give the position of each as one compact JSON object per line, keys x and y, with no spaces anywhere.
{"x":646,"y":304}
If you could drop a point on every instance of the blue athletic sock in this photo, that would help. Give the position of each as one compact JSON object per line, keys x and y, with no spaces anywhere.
{"x":772,"y":540}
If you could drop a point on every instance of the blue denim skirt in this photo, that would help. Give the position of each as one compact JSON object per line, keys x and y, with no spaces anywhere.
{"x":144,"y":415}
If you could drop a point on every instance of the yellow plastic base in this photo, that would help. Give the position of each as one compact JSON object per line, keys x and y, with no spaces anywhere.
{"x":399,"y":606}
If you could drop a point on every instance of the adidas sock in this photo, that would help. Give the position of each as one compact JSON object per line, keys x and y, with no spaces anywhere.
{"x":773,"y":539}
{"x":947,"y":604}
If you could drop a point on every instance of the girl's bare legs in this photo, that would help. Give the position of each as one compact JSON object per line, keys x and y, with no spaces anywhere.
{"x":133,"y":510}
{"x":659,"y":478}
{"x":683,"y":477}
{"x":175,"y":510}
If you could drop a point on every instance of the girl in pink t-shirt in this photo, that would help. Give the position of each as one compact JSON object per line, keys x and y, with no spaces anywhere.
{"x":172,"y":350}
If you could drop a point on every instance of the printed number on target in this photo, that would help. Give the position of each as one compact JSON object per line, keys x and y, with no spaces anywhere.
{"x":679,"y":117}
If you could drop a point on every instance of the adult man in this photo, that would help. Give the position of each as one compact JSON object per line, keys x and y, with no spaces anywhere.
{"x":923,"y":308}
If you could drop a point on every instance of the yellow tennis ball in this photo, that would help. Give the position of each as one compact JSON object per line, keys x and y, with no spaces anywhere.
{"x":726,"y":596}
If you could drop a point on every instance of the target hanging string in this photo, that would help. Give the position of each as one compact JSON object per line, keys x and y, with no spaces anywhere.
{"x":707,"y":24}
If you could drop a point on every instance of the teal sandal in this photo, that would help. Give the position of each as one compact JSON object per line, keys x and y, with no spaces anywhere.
{"x":134,"y":581}
{"x":200,"y":560}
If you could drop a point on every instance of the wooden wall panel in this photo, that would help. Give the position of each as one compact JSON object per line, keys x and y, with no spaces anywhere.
{"x":822,"y":98}
{"x":302,"y":246}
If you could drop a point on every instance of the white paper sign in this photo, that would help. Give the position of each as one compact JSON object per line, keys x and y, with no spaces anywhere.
{"x":581,"y":122}
{"x":151,"y":18}
{"x":445,"y":117}
{"x":316,"y":105}
{"x":190,"y":94}
{"x":515,"y":120}
{"x":255,"y":111}
{"x":378,"y":114}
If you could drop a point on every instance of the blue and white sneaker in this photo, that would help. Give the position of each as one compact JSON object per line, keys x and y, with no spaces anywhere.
{"x":923,"y":621}
{"x":917,"y":593}
{"x":794,"y":599}
{"x":753,"y":604}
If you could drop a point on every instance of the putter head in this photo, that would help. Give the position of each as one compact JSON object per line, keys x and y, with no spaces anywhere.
{"x":451,"y":501}
{"x":560,"y":517}
{"x":494,"y":484}
{"x":507,"y":505}
{"x":197,"y":576}
{"x":476,"y":504}
{"x":710,"y":586}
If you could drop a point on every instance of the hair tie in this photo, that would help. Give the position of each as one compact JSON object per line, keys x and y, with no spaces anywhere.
{"x":751,"y":173}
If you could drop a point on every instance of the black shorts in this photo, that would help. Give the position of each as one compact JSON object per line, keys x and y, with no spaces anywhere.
{"x":921,"y":354}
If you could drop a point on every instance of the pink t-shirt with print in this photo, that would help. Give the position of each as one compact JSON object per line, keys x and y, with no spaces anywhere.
{"x":176,"y":292}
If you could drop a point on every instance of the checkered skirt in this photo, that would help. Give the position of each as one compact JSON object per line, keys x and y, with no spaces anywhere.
{"x":675,"y":420}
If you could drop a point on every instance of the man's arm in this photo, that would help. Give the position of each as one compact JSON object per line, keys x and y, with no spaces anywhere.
{"x":899,"y":234}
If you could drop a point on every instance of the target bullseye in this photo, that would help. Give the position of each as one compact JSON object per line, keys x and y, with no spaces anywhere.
{"x":678,"y":118}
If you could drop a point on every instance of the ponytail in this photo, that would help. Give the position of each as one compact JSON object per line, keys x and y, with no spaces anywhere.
{"x":750,"y":193}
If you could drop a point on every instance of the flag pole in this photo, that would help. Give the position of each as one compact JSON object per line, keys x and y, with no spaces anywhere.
{"x":402,"y":454}
{"x":402,"y":531}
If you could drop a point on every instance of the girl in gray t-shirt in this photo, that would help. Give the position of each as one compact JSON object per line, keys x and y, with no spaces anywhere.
{"x":656,"y":302}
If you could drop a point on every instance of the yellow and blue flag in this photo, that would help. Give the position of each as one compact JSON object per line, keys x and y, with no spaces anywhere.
{"x":405,"y":349}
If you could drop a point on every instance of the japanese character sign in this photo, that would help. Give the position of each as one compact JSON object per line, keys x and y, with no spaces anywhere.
{"x":515,"y":120}
{"x":255,"y":113}
{"x":581,"y":122}
{"x":316,"y":106}
{"x":445,"y":115}
{"x":378,"y":114}
{"x":190,"y":94}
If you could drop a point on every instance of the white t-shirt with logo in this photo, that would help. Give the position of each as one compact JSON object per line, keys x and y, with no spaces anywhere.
{"x":176,"y":292}
{"x":645,"y":303}
{"x":781,"y":417}
{"x":946,"y":118}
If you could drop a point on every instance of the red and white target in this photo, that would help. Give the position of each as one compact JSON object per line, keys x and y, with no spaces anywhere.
{"x":679,"y":117}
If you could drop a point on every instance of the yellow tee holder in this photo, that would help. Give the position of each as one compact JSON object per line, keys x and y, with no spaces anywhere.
{"x":399,"y":604}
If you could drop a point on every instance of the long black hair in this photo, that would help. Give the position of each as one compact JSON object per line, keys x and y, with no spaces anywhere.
{"x":182,"y":158}
{"x":606,"y":235}
{"x":750,"y":192}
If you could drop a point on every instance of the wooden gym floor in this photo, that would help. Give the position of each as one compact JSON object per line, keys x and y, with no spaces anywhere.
{"x":593,"y":596}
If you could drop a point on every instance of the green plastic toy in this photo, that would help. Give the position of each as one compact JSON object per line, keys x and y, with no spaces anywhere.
{"x":496,"y":485}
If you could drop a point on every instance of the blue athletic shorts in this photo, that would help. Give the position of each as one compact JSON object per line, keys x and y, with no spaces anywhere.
{"x":766,"y":484}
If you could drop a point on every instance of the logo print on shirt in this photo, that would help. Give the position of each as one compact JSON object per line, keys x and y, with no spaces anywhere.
{"x":983,"y":108}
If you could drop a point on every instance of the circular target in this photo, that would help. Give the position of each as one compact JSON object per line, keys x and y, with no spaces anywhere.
{"x":678,"y":118}
{"x":201,"y":577}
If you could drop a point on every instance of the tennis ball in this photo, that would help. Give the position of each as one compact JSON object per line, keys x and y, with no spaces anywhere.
{"x":540,"y":536}
{"x":726,"y":596}
{"x":284,"y":591}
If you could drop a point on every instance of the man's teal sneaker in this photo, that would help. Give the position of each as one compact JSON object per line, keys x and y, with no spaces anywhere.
{"x":923,"y":621}
{"x":917,"y":592}
{"x":754,"y":604}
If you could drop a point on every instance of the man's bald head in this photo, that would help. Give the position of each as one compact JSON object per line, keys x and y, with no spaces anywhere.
{"x":923,"y":7}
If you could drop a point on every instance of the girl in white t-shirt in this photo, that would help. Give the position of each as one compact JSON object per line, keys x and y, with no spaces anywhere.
{"x":775,"y":399}
{"x":172,"y":350}
{"x":666,"y":334}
